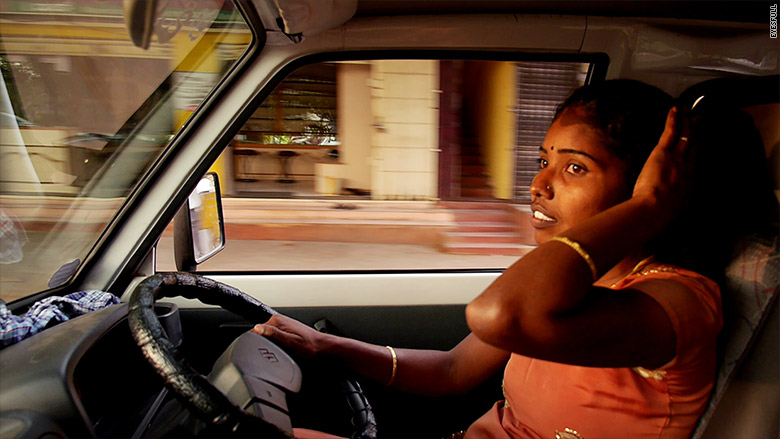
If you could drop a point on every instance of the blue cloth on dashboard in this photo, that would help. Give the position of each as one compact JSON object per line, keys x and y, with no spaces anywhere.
{"x":56,"y":308}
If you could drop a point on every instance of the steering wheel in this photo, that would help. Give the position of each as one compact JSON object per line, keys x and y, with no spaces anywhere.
{"x":220,"y":412}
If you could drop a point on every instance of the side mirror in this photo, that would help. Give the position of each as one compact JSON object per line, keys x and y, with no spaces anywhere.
{"x":199,"y":227}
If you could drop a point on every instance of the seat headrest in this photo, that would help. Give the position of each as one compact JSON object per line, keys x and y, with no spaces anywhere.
{"x":731,"y":93}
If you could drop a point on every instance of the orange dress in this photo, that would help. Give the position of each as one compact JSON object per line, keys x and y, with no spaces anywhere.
{"x":552,"y":400}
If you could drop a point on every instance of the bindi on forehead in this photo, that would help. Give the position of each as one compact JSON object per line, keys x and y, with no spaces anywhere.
{"x":574,"y":151}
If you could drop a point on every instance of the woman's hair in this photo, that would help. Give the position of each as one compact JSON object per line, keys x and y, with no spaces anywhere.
{"x":630,"y":115}
{"x":731,"y":194}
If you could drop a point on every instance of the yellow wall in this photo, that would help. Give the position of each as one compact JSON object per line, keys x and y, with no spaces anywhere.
{"x":405,"y":103}
{"x":201,"y":59}
{"x":354,"y":123}
{"x":496,"y":123}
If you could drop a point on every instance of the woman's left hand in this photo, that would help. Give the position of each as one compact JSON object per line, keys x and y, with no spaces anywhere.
{"x":299,"y":339}
{"x":666,"y":177}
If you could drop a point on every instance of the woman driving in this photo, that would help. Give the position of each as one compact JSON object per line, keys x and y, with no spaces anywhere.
{"x":597,"y":337}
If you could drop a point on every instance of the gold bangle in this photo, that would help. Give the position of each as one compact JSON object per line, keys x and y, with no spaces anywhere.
{"x":580,"y":251}
{"x":395,"y":365}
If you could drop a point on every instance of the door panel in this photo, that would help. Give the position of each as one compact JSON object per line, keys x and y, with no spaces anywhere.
{"x":207,"y":331}
{"x":357,"y":289}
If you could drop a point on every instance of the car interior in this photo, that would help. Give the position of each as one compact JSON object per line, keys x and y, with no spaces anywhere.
{"x":186,"y":206}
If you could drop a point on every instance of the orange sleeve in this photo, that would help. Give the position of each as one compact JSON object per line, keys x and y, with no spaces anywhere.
{"x":696,"y":317}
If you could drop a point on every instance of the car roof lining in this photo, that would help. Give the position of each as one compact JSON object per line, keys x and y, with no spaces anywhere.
{"x":735,"y":11}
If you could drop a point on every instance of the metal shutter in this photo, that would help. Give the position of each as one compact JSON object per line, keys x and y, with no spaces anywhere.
{"x":541,"y":87}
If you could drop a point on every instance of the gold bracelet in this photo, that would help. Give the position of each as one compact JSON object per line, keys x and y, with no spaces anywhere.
{"x":580,"y":251}
{"x":395,"y":365}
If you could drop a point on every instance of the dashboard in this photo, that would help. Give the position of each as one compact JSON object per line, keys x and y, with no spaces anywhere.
{"x":83,"y":377}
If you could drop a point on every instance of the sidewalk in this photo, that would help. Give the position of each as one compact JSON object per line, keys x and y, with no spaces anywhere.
{"x":487,"y":227}
{"x":336,"y":220}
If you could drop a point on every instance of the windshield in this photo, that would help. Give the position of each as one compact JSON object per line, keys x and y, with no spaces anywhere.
{"x":84,"y":113}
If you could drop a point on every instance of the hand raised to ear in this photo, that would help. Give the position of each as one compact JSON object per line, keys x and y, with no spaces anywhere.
{"x":665,"y":178}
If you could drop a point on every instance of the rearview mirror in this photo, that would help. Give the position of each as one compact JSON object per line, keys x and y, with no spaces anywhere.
{"x":140,"y":16}
{"x":199,"y":227}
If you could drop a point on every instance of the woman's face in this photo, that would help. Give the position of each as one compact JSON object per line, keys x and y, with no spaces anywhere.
{"x":578,"y":177}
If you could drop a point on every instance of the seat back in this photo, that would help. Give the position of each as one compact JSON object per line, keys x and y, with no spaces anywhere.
{"x":749,"y":293}
{"x":750,"y":285}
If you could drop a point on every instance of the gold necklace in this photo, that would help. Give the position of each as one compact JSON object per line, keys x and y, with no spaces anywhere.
{"x":640,"y":269}
{"x":641,"y":265}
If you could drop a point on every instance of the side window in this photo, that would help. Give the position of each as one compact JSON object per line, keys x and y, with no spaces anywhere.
{"x":389,"y":165}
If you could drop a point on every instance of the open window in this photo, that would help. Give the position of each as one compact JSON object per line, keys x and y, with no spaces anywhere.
{"x":392,"y":164}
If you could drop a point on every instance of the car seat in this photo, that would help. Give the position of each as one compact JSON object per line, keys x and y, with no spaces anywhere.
{"x":745,"y":402}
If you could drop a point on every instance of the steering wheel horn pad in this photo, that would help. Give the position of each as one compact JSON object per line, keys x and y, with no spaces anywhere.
{"x":257,"y":375}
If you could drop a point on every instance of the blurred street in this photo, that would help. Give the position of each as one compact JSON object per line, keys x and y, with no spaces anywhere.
{"x":256,"y":255}
{"x":315,"y":235}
